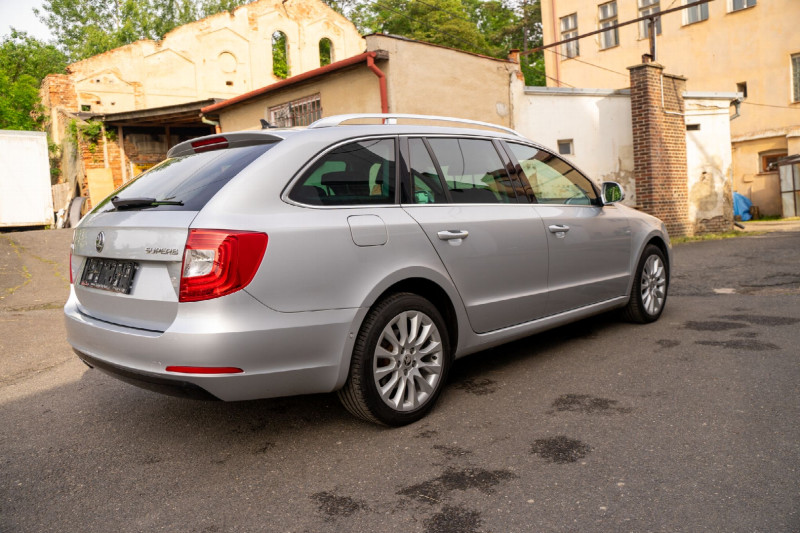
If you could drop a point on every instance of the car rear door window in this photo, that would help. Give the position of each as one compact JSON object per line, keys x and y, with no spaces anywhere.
{"x":553,"y":180}
{"x":473,"y":171}
{"x":357,"y":173}
{"x":425,"y":179}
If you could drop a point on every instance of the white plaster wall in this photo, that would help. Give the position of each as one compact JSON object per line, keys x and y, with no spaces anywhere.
{"x":598,"y":122}
{"x":708,"y":158}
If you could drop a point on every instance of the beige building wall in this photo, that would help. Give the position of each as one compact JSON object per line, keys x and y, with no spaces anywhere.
{"x":434,"y":80}
{"x":218,"y":57}
{"x":752,"y":46}
{"x":421,"y":78}
{"x":336,"y":91}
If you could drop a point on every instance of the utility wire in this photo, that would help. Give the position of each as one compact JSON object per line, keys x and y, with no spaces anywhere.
{"x":560,"y":81}
{"x":693,"y":3}
{"x":770,"y":105}
{"x":586,"y":62}
{"x":452,"y":16}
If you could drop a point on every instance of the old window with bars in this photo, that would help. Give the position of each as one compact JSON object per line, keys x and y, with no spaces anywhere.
{"x":646,"y":8}
{"x":300,"y":112}
{"x":569,"y":29}
{"x":695,"y":13}
{"x":607,"y":13}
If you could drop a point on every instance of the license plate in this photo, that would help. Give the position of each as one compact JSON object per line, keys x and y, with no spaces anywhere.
{"x":109,"y":274}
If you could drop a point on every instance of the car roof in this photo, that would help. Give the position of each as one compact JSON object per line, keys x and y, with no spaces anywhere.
{"x":332,"y":129}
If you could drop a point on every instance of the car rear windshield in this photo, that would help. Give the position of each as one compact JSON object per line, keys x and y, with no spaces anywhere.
{"x":186,"y":183}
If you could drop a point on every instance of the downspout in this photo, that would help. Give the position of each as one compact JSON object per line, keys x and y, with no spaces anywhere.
{"x":210,"y":122}
{"x":381,"y":80}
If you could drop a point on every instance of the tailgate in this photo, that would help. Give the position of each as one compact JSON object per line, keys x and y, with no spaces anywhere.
{"x":126,"y":266}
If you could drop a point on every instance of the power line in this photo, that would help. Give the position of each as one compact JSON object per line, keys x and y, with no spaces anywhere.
{"x":770,"y":105}
{"x":560,"y":82}
{"x":435,"y":8}
{"x":615,"y":26}
{"x":586,"y":63}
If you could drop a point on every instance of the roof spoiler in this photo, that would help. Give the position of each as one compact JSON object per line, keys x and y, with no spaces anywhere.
{"x":219,"y":141}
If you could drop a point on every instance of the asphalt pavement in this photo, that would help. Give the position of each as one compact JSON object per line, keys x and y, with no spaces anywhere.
{"x":688,"y":424}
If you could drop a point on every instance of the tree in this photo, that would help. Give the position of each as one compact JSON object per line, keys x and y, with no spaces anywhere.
{"x":24,"y":62}
{"x":491,"y":27}
{"x":444,"y":22}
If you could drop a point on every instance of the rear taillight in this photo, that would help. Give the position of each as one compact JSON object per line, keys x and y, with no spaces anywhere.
{"x":219,"y":262}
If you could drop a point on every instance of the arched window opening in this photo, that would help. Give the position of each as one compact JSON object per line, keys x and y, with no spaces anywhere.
{"x":325,"y":52}
{"x":280,"y":57}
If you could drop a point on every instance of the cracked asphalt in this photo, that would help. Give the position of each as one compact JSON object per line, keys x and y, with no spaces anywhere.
{"x":688,"y":424}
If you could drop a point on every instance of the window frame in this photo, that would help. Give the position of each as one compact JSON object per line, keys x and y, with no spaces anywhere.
{"x":700,"y":10}
{"x":597,"y":201}
{"x":407,"y":197}
{"x":572,"y":49}
{"x":607,"y":21}
{"x":315,"y":112}
{"x":301,"y":174}
{"x":746,"y":4}
{"x":794,"y":66}
{"x":648,"y":8}
{"x":766,"y":156}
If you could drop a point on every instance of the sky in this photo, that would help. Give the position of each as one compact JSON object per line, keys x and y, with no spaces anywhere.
{"x":19,"y":14}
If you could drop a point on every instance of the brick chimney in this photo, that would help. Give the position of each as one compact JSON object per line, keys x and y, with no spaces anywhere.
{"x":659,"y":146}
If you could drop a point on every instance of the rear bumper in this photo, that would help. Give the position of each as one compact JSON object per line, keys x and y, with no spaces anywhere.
{"x":281,"y":354}
{"x":155,"y":383}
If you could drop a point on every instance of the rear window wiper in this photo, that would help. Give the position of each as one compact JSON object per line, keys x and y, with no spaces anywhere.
{"x":126,"y":203}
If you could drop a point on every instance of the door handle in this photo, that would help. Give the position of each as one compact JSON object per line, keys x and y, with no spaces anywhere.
{"x":558,"y":228}
{"x":451,"y":234}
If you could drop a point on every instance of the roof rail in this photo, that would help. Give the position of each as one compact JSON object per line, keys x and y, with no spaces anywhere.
{"x":390,"y":118}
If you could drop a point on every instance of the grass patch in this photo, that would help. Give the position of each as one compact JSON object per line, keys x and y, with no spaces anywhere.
{"x":714,"y":236}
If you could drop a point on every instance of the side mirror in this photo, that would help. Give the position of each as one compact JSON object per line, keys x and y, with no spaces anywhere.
{"x":612,"y":192}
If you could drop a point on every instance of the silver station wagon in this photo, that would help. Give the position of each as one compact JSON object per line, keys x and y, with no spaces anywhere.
{"x":359,"y":258}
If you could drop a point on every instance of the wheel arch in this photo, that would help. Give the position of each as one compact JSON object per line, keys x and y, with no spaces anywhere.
{"x":427,"y":283}
{"x":658,"y":242}
{"x":434,"y":293}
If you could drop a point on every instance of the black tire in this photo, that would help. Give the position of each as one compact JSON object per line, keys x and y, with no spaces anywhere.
{"x":650,"y":287}
{"x":412,"y":363}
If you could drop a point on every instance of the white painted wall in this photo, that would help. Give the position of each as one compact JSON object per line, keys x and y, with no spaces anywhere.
{"x":26,"y":198}
{"x":597,"y":121}
{"x":708,"y":155}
